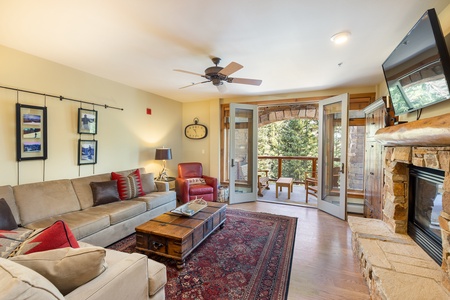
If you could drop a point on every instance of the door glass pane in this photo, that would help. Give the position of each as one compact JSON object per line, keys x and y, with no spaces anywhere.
{"x":332,"y":154}
{"x":243,"y":150}
{"x":355,"y":163}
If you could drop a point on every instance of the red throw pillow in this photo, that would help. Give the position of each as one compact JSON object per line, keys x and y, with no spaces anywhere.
{"x":129,"y":186}
{"x":57,"y":235}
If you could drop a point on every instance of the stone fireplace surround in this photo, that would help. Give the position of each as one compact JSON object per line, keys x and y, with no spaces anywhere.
{"x":394,"y":266}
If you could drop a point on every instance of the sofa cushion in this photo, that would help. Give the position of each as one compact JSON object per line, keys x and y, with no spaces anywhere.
{"x":83,"y":189}
{"x":148,"y":183}
{"x":157,"y":199}
{"x":7,"y":221}
{"x":129,"y":186}
{"x":58,"y":235}
{"x":200,"y":189}
{"x":19,"y":282}
{"x":66,"y":268}
{"x":118,"y":211}
{"x":82,"y":224}
{"x":37,"y":201}
{"x":6,"y":192}
{"x":104,"y":192}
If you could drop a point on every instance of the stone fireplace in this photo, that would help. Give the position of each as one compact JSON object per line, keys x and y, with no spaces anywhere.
{"x":423,"y":143}
{"x":396,"y":188}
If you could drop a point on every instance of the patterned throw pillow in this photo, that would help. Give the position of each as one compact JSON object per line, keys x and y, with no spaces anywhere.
{"x":11,"y":239}
{"x":129,"y":186}
{"x":57,"y":235}
{"x":194,"y":181}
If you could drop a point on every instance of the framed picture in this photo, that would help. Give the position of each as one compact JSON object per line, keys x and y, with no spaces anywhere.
{"x":87,"y":152}
{"x":31,"y":132}
{"x":87,"y":121}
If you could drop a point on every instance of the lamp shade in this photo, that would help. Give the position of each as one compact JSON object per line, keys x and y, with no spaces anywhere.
{"x":163,"y":154}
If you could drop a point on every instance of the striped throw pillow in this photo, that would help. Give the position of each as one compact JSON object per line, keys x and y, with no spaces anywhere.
{"x":129,"y":186}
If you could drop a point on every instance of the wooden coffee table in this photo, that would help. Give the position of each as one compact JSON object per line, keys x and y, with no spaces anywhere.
{"x":176,"y":236}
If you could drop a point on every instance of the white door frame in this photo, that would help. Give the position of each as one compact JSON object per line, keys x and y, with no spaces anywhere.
{"x":324,"y":202}
{"x":237,"y":196}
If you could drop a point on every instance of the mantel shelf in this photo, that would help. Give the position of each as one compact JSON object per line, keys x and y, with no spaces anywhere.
{"x":433,"y":131}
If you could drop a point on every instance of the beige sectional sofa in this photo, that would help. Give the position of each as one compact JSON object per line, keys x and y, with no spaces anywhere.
{"x":38,"y":205}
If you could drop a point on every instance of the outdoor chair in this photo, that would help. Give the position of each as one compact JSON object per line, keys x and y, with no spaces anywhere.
{"x":311,"y":185}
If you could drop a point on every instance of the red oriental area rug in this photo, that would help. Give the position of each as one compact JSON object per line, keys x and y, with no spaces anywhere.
{"x":250,"y":258}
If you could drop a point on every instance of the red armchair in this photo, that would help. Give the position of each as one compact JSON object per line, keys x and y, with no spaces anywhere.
{"x":191,"y":183}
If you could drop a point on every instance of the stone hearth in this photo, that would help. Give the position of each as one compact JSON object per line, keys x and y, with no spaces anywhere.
{"x":394,"y":266}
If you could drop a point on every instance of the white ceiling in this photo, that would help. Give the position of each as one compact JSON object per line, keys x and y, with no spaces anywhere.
{"x":284,"y":43}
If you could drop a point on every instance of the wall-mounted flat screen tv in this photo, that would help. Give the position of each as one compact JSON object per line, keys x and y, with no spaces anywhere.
{"x":417,"y":72}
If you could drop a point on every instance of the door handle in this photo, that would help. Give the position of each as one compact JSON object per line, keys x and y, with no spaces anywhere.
{"x":232,"y":162}
{"x":342,"y":168}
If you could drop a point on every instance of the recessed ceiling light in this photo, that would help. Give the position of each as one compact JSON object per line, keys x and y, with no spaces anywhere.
{"x":340,"y":37}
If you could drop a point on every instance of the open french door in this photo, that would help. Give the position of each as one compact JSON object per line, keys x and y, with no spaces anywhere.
{"x":332,"y":169}
{"x":243,"y":156}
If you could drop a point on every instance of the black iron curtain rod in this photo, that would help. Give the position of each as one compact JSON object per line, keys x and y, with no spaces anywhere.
{"x":61,"y":98}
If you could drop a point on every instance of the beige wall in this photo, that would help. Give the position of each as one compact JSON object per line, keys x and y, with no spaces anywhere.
{"x":126,"y":139}
{"x":206,"y":150}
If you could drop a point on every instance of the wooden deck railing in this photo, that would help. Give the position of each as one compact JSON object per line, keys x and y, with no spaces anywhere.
{"x":280,"y":163}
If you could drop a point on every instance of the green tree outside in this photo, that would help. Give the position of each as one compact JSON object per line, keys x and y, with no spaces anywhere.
{"x":296,"y":137}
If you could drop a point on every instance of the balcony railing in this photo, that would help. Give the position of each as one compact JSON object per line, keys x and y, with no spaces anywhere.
{"x":277,"y":172}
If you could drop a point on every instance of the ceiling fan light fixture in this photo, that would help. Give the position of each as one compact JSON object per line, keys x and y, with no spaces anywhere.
{"x":218,"y":75}
{"x":341,"y":37}
{"x":216,"y":81}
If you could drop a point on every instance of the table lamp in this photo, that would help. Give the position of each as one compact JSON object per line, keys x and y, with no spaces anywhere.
{"x":163,"y":154}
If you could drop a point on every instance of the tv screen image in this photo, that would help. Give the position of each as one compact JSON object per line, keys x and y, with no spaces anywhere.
{"x":417,"y":72}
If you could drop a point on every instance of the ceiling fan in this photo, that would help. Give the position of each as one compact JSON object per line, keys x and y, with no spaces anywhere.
{"x":218,"y":75}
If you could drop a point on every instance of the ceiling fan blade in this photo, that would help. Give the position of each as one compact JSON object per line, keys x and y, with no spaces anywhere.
{"x":231,"y":68}
{"x":222,"y":88}
{"x":188,"y":72}
{"x":194,"y":84}
{"x":245,"y":81}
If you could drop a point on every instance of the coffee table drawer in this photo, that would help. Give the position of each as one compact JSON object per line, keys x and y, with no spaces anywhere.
{"x":151,"y":242}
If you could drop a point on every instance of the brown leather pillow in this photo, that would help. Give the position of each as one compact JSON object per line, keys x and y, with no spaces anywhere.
{"x":104,"y":192}
{"x":7,"y":221}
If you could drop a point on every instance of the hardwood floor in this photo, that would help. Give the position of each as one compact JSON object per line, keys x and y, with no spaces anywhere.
{"x":323,"y":265}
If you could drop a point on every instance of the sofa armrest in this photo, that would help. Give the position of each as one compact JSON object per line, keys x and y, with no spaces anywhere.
{"x":157,"y":277}
{"x":162,"y":186}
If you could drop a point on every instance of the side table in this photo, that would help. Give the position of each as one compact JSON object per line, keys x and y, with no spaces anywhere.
{"x":171,"y":181}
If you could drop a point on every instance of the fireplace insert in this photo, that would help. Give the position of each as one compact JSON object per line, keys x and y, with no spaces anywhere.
{"x":425,"y":206}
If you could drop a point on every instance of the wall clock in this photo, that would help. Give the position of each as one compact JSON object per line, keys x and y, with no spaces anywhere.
{"x":195,"y":131}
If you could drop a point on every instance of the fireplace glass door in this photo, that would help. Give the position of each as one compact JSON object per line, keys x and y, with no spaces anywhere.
{"x":425,"y":203}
